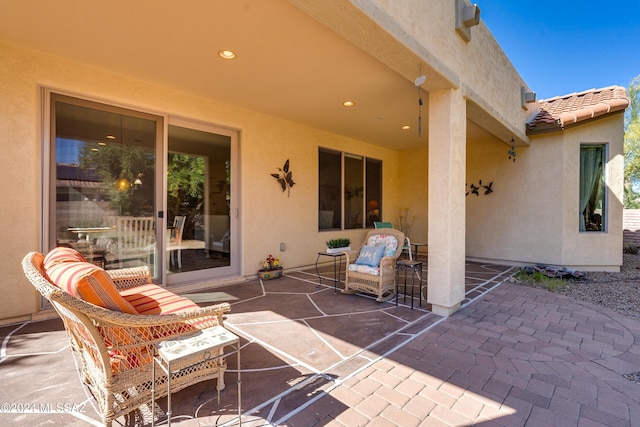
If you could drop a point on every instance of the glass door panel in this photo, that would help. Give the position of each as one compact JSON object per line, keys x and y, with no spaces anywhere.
{"x":198,"y":203}
{"x":103,"y":182}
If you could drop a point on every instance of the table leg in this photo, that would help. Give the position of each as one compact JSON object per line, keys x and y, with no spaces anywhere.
{"x":404,"y":298}
{"x":318,"y":273}
{"x":153,"y":392}
{"x":413,"y":284}
{"x":336,"y":278}
{"x":239,"y":388}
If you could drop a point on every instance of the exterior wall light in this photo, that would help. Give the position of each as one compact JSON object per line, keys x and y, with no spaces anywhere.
{"x":467,"y":16}
{"x":526,"y":97}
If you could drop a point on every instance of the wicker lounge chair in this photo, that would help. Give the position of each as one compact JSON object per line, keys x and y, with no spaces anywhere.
{"x":115,"y":349}
{"x":378,"y":279}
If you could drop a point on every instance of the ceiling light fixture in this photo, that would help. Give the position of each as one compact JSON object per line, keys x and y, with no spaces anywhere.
{"x":111,"y":137}
{"x":226,"y":54}
{"x":348,"y":103}
{"x":406,"y":127}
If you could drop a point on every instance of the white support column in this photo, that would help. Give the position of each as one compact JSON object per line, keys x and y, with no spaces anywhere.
{"x":447,"y":172}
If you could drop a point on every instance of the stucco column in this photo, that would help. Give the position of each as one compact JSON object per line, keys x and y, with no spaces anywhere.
{"x":447,"y":171}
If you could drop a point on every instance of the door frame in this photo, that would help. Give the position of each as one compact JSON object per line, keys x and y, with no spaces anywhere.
{"x":233,"y":270}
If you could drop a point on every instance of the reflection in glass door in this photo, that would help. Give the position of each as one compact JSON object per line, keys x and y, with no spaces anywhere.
{"x":102,"y":198}
{"x":198,"y":203}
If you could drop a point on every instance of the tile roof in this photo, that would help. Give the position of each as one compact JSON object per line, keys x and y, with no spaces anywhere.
{"x":557,"y":113}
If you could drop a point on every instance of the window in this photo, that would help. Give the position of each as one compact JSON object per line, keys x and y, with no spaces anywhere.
{"x":350,"y":190}
{"x":592,"y":187}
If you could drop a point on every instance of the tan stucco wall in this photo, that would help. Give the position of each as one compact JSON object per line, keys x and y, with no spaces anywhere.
{"x":532,"y":215}
{"x":479,"y":66}
{"x":413,"y":192}
{"x":583,"y":250}
{"x":267,"y":216}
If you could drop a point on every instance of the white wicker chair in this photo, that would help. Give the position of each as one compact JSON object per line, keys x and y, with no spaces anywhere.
{"x":115,"y":349}
{"x":382,"y":285}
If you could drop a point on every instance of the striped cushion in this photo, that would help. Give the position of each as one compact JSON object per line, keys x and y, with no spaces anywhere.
{"x":88,"y":282}
{"x":152,"y":299}
{"x":62,"y":254}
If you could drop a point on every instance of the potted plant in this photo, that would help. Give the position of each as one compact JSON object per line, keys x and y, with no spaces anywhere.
{"x":271,"y":268}
{"x":341,"y":244}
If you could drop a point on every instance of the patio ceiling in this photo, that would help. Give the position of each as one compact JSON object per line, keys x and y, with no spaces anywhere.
{"x":288,"y":64}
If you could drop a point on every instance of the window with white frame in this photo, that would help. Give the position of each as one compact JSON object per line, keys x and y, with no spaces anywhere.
{"x":592,"y":209}
{"x":349,"y":192}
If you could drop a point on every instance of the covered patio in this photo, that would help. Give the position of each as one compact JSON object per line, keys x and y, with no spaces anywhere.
{"x":300,"y":341}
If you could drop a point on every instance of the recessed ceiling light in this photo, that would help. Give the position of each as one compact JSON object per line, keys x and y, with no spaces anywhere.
{"x":406,"y":127}
{"x":348,"y":103}
{"x":102,"y":143}
{"x":226,"y":54}
{"x":111,"y":137}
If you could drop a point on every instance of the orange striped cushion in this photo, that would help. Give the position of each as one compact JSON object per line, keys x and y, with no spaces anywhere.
{"x":88,"y":282}
{"x":62,"y":254}
{"x":152,"y":299}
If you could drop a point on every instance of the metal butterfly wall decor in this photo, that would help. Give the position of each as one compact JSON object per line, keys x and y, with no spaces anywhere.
{"x":284,"y":178}
{"x":475,"y":189}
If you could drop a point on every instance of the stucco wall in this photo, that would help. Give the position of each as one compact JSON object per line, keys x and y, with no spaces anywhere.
{"x":267,"y":215}
{"x":480,"y":65}
{"x":583,"y":250}
{"x":519,"y":221}
{"x":413,"y":192}
{"x":531,"y":217}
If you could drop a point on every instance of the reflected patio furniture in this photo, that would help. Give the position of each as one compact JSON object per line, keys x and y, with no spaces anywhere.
{"x":174,"y":244}
{"x":378,"y":280}
{"x":135,"y":240}
{"x":222,"y":246}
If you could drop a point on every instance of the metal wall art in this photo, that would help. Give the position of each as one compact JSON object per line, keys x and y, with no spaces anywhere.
{"x":477,"y":189}
{"x":284,"y":178}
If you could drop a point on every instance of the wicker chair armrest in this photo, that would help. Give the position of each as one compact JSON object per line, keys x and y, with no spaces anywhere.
{"x":352,"y":255}
{"x":125,"y":278}
{"x":387,"y":261}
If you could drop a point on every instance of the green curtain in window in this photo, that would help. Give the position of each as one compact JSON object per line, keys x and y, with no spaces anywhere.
{"x":590,"y":175}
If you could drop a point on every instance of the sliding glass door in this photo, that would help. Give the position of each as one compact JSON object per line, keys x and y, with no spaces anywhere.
{"x":125,"y":189}
{"x":103,"y":182}
{"x":199,"y":201}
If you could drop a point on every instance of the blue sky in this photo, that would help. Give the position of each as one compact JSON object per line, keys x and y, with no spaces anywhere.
{"x":567,"y":46}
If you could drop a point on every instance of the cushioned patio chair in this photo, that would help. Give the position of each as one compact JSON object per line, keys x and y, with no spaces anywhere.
{"x":407,"y":241}
{"x":113,"y":319}
{"x":372,"y":268}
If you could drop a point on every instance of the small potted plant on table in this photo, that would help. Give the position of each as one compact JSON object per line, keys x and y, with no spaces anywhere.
{"x":335,"y":246}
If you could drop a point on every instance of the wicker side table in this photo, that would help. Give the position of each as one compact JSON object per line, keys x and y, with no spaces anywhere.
{"x":190,"y":351}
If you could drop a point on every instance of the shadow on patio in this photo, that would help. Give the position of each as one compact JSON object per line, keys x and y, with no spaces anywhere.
{"x":300,"y":340}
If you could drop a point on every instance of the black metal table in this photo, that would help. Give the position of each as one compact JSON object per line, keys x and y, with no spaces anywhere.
{"x":416,"y":270}
{"x":337,"y":264}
